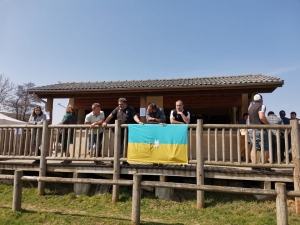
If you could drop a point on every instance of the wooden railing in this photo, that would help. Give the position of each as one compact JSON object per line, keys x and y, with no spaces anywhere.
{"x":209,"y":144}
{"x":137,"y":183}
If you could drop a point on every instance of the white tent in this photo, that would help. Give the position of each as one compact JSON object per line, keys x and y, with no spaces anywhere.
{"x":6,"y":120}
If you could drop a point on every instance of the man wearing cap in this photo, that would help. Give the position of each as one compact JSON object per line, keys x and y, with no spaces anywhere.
{"x":257,"y":116}
{"x":274,"y":120}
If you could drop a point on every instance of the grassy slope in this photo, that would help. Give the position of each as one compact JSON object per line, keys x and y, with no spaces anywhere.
{"x":61,"y":206}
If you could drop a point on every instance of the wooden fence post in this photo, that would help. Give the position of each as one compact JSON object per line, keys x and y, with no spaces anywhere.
{"x":43,"y":163}
{"x":116,"y":172}
{"x":136,"y":199}
{"x":296,"y":160}
{"x":17,"y":193}
{"x":281,"y":204}
{"x":200,"y":163}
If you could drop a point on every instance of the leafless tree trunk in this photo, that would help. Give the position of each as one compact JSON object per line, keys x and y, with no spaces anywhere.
{"x":6,"y":88}
{"x":22,"y":103}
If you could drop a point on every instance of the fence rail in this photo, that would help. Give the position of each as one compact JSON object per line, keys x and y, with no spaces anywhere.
{"x":137,"y":183}
{"x":209,"y":144}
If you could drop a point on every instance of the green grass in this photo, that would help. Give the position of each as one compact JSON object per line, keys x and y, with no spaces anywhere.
{"x":61,"y":206}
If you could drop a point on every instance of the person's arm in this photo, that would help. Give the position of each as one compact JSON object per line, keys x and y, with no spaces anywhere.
{"x":185,"y":118}
{"x":148,"y":117}
{"x":99,"y":122}
{"x":154,"y":120}
{"x":31,"y":120}
{"x":172,"y":119}
{"x":104,"y":124}
{"x":42,"y":119}
{"x":162,"y":116}
{"x":136,"y":118}
{"x":263,"y":118}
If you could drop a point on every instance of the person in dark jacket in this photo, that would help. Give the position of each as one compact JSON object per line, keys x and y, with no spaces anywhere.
{"x":155,"y":114}
{"x":282,"y":139}
{"x":69,"y":118}
{"x":180,"y":115}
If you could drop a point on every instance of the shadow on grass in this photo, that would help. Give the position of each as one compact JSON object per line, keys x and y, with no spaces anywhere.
{"x":112,"y":218}
{"x":214,"y":198}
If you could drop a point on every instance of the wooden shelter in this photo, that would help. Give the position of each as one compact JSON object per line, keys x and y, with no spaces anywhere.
{"x":215,"y":99}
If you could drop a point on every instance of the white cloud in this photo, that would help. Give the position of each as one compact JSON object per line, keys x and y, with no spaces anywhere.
{"x":282,"y":71}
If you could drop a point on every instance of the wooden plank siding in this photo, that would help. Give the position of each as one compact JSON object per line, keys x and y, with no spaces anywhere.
{"x":197,"y":100}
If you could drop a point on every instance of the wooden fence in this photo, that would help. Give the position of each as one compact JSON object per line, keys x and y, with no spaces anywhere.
{"x":209,"y":144}
{"x":137,"y":183}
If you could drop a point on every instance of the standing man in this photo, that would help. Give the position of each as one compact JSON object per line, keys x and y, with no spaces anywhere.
{"x":180,"y":115}
{"x":96,"y":117}
{"x":243,"y":120}
{"x":282,"y":137}
{"x":294,"y":116}
{"x":257,"y":116}
{"x":127,"y":115}
{"x":155,"y":114}
{"x":274,"y":120}
{"x":283,"y":117}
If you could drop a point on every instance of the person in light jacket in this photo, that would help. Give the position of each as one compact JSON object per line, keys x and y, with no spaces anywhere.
{"x":36,"y":118}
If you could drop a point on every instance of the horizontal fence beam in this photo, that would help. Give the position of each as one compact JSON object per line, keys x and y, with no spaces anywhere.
{"x":244,"y":164}
{"x":251,"y":126}
{"x":77,"y":180}
{"x":212,"y":188}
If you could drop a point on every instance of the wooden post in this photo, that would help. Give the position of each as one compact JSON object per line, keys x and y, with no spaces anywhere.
{"x":200,"y":163}
{"x":281,"y":204}
{"x":17,"y":194}
{"x":136,"y":199}
{"x":296,"y":160}
{"x":116,"y":172}
{"x":43,"y":163}
{"x":143,"y":104}
{"x":164,"y":193}
{"x":49,"y":108}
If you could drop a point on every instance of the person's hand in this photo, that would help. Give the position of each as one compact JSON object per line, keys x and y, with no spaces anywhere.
{"x":180,"y":113}
{"x":92,"y":125}
{"x":141,"y":122}
{"x":104,"y":124}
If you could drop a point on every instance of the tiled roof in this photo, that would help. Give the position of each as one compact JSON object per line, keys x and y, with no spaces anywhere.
{"x":161,"y":83}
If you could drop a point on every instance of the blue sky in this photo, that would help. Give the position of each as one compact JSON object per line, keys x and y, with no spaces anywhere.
{"x":69,"y":40}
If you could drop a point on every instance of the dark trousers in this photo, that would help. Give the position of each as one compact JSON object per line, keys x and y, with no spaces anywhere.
{"x":282,"y":147}
{"x":97,"y":153}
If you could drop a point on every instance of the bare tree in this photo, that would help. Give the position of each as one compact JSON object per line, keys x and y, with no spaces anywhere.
{"x":22,"y":103}
{"x":6,"y":88}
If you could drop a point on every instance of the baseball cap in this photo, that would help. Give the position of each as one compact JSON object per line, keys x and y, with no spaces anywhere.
{"x":282,"y":113}
{"x":257,"y":97}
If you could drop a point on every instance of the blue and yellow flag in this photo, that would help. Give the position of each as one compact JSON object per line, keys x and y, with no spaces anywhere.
{"x":155,"y":143}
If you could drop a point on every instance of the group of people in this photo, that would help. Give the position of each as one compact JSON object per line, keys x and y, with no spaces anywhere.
{"x":97,"y":121}
{"x":257,"y":115}
{"x":127,"y":115}
{"x":38,"y":116}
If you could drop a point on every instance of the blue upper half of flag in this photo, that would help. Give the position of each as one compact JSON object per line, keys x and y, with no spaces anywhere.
{"x":149,"y":133}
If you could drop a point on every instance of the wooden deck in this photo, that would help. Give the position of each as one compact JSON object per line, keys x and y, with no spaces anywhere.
{"x":214,"y":172}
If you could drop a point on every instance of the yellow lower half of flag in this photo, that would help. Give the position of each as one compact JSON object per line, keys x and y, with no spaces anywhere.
{"x":163,"y":153}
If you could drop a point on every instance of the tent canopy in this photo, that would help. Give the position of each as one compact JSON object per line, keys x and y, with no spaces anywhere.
{"x":6,"y":120}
